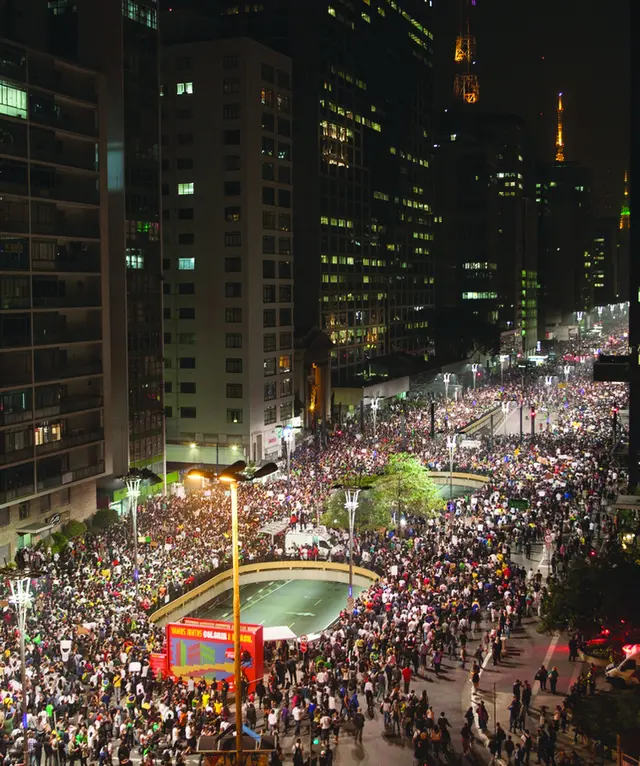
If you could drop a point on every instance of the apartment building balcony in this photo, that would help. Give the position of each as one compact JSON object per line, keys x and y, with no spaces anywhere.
{"x":68,"y":442}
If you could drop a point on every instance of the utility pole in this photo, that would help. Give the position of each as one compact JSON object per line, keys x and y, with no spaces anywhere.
{"x":533,"y":422}
{"x":432,"y":408}
{"x":521,"y":423}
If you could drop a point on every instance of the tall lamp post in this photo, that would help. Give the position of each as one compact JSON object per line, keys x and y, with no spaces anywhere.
{"x":566,"y":369}
{"x":451,"y":446}
{"x":133,"y":482}
{"x":505,"y":413}
{"x":351,"y":506}
{"x":375,"y":404}
{"x":447,"y":379}
{"x":289,"y":439}
{"x":21,"y":598}
{"x":503,"y":359}
{"x":474,"y":370}
{"x":232,"y":476}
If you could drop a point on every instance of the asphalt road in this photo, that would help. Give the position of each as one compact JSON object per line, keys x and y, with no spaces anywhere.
{"x":305,"y":606}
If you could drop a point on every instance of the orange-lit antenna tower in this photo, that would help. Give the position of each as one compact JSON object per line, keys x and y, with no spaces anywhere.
{"x":466,"y":87}
{"x":560,"y":132}
{"x":625,"y":212}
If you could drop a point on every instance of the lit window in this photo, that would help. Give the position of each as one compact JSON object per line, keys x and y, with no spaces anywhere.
{"x":141,"y":13}
{"x":185,"y":188}
{"x":285,"y":364}
{"x":47,"y":432}
{"x":184,"y":88}
{"x":134,"y":259}
{"x":479,"y":296}
{"x":186,"y":264}
{"x":13,"y":101}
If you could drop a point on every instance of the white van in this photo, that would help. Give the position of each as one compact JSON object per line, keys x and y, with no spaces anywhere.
{"x":627,"y":673}
{"x":326,"y":546}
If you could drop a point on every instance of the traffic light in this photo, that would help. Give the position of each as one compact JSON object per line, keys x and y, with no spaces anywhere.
{"x":532,"y":413}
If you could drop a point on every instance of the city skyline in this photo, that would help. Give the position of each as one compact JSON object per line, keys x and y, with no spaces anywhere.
{"x":525,"y":59}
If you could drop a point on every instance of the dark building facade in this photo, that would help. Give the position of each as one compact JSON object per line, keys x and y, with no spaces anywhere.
{"x":119,"y":39}
{"x":486,"y":238}
{"x":603,"y":264}
{"x":54,"y":280}
{"x":362,"y":95}
{"x":565,"y":227}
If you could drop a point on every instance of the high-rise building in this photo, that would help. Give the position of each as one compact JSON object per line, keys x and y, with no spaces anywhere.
{"x":119,"y":39}
{"x":486,"y":238}
{"x":622,"y":270}
{"x":362,"y":109}
{"x":601,"y":269}
{"x":54,"y":279}
{"x":228,"y":254}
{"x":563,"y":197}
{"x":565,"y":238}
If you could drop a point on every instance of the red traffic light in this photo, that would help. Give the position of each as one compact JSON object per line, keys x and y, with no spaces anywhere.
{"x":533,"y":413}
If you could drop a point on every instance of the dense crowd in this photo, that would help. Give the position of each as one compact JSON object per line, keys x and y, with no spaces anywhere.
{"x":450,"y":587}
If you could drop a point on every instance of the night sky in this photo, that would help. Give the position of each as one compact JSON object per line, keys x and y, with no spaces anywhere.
{"x":586,"y":53}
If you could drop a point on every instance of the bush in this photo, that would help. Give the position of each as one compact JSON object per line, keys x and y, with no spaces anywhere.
{"x":74,"y":528}
{"x":598,"y":652}
{"x":58,"y":542}
{"x":104,"y":518}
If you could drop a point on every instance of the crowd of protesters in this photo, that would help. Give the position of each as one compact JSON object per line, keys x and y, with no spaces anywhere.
{"x":450,"y":588}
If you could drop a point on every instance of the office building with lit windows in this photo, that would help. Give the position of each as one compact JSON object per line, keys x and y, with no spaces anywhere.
{"x":563,"y":199}
{"x":602,"y":268}
{"x":119,"y":39}
{"x":54,"y":333}
{"x":362,"y":108}
{"x":486,"y":224}
{"x":228,"y":250}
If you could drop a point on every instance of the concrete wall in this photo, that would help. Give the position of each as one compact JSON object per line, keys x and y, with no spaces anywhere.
{"x":255,"y":573}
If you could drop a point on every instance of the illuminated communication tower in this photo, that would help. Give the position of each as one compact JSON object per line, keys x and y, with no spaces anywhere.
{"x":466,"y":87}
{"x":560,"y":132}
{"x":625,"y":212}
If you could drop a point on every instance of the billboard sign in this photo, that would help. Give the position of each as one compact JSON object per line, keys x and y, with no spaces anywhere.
{"x":204,"y":649}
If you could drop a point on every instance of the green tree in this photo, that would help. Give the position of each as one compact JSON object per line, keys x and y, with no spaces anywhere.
{"x":606,"y":714}
{"x":405,"y":487}
{"x":104,"y":518}
{"x":74,"y":528}
{"x":594,"y":594}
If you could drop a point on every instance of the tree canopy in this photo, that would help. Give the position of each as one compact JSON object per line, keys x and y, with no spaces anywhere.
{"x":603,"y":715}
{"x":595,"y":594}
{"x":404,"y":488}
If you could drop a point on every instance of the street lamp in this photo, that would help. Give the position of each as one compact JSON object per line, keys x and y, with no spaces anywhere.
{"x":548,"y":380}
{"x":232,"y":476}
{"x":474,"y":370}
{"x":375,"y":404}
{"x":351,"y":506}
{"x":133,"y":482}
{"x":503,"y":359}
{"x":451,"y":446}
{"x":447,"y":378}
{"x":505,"y":412}
{"x":289,"y":439}
{"x":21,"y":598}
{"x":566,"y":369}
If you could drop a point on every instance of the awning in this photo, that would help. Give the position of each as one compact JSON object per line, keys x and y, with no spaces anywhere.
{"x":35,"y":528}
{"x":274,"y":527}
{"x":279,"y":633}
